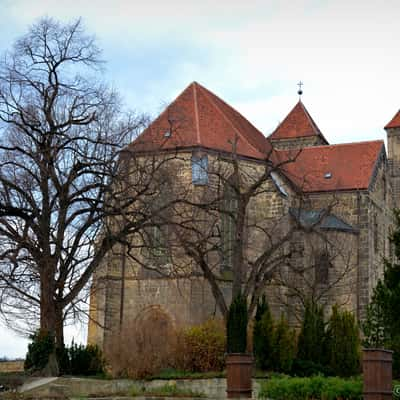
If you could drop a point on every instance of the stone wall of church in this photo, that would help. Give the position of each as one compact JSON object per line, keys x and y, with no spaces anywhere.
{"x":380,"y":221}
{"x":329,"y":262}
{"x":122,"y":290}
{"x":121,"y":296}
{"x":127,"y":302}
{"x":370,"y":212}
{"x":393,"y":140}
{"x":352,"y":207}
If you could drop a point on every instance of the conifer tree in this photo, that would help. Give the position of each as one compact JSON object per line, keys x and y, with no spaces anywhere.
{"x":311,"y":344}
{"x":283,"y":346}
{"x":263,"y":335}
{"x":237,"y":325}
{"x":343,"y":343}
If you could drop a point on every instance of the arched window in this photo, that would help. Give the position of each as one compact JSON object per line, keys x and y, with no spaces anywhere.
{"x":156,"y":235}
{"x":322,"y":265}
{"x":228,"y":225}
{"x":199,"y":169}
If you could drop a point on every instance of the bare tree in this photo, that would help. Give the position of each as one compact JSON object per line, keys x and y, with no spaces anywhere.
{"x":237,"y":230}
{"x":226,"y":237}
{"x":61,"y":174}
{"x":226,"y":229}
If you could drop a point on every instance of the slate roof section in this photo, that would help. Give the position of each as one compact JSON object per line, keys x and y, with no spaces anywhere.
{"x":348,"y":166}
{"x":394,"y":122}
{"x":320,"y":219}
{"x":199,"y":118}
{"x":297,"y":124}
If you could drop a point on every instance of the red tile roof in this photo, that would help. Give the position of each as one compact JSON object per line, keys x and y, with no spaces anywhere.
{"x":297,"y":124}
{"x":350,"y":165}
{"x":395,"y":121}
{"x":197,"y":117}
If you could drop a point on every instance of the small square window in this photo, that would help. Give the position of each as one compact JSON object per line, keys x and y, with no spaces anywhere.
{"x":199,"y":170}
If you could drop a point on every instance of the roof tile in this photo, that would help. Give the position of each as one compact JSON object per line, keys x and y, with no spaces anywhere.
{"x":198,"y":117}
{"x":394,"y":122}
{"x":348,"y":166}
{"x":297,"y":124}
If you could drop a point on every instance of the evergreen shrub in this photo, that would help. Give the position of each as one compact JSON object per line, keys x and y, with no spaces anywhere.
{"x":325,"y":349}
{"x":274,"y":343}
{"x":343,"y":343}
{"x":85,"y":360}
{"x":39,"y":350}
{"x":304,"y":368}
{"x":263,"y":335}
{"x":316,"y":388}
{"x":75,"y":360}
{"x":311,"y":342}
{"x":237,"y":325}
{"x":283,"y":346}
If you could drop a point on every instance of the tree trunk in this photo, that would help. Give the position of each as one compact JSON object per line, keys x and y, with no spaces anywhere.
{"x":48,"y":317}
{"x":59,"y":328}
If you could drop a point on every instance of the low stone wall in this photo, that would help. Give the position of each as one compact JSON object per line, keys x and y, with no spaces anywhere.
{"x":11,"y":366}
{"x":81,"y":387}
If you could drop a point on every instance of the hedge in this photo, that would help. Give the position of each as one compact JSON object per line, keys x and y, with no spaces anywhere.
{"x":315,"y":388}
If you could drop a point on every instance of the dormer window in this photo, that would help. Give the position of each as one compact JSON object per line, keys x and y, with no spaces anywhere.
{"x":199,"y":169}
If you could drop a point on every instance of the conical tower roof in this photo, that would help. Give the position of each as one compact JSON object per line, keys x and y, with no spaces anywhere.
{"x":394,"y":122}
{"x":297,"y":124}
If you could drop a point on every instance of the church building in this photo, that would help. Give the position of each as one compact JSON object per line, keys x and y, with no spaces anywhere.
{"x":341,"y":197}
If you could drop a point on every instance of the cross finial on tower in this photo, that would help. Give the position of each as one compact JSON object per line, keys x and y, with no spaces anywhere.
{"x":300,"y":91}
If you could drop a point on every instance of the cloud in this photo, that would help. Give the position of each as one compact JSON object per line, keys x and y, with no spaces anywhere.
{"x":12,"y":345}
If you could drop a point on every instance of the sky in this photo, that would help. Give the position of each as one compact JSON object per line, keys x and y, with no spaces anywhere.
{"x":250,"y":53}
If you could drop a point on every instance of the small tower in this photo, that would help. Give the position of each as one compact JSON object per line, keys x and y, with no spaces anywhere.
{"x":393,"y":140}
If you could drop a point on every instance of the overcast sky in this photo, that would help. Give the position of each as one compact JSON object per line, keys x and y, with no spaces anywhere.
{"x":250,"y":53}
